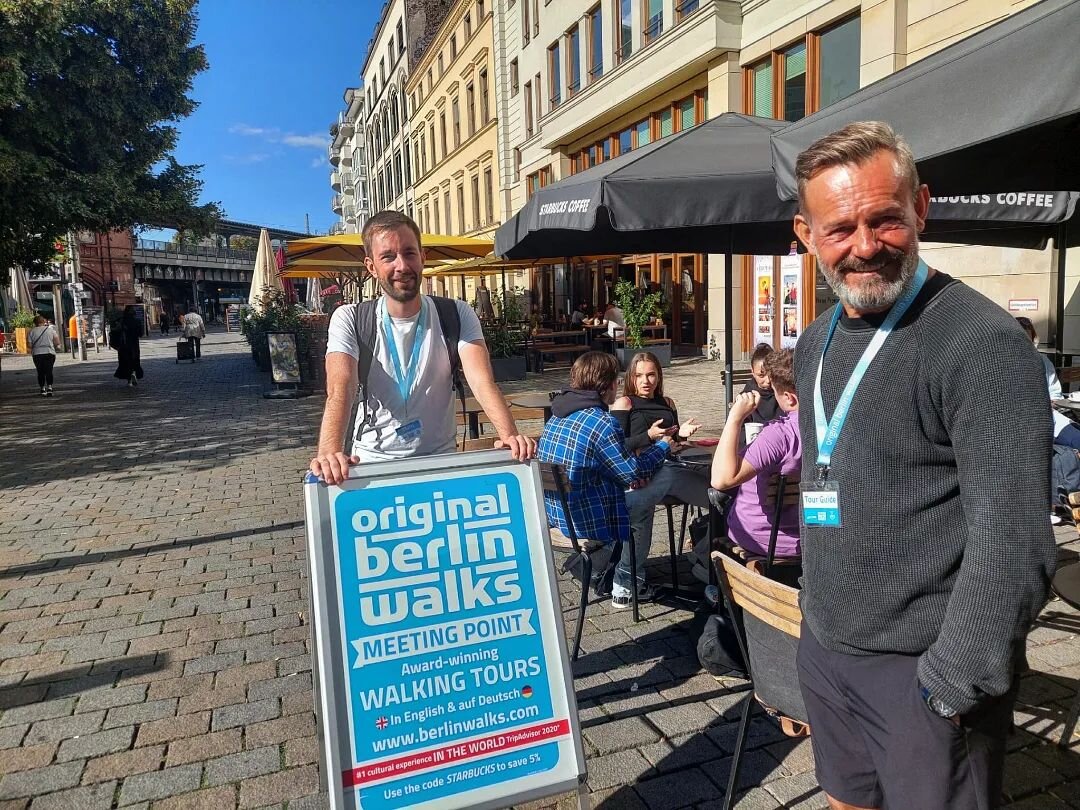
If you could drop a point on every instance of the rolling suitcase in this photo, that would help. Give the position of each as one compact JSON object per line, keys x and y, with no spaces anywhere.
{"x":185,"y":351}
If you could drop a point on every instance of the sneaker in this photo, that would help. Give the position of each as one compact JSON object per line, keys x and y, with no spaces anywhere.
{"x":48,"y":390}
{"x":645,"y":593}
{"x":43,"y":392}
{"x":132,"y":381}
{"x":712,"y":594}
{"x":1055,"y":519}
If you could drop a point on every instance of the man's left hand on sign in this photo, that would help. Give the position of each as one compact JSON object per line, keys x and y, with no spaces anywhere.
{"x":333,"y":468}
{"x":522,"y":448}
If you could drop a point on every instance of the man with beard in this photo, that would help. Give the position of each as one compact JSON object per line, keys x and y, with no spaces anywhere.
{"x":407,"y":406}
{"x":926,"y":549}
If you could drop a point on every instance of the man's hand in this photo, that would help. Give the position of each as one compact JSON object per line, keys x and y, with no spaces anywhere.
{"x":743,"y":406}
{"x":333,"y":468}
{"x":522,"y":448}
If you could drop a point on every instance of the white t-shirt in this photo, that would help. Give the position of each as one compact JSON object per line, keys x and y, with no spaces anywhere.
{"x":431,"y":398}
{"x":41,"y":339}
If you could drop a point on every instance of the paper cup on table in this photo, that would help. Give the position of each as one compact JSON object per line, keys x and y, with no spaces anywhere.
{"x":1074,"y":396}
{"x":751,"y":430}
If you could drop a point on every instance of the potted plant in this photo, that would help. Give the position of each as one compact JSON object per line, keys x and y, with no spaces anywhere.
{"x":21,"y":323}
{"x":273,"y":313}
{"x":505,"y":337}
{"x":639,"y":307}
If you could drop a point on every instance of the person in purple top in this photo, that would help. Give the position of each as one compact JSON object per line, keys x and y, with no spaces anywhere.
{"x":777,"y":450}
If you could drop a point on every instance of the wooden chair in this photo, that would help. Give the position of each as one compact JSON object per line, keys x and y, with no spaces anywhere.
{"x":483,"y":443}
{"x":580,"y":551}
{"x":768,"y":638}
{"x":1068,"y":375}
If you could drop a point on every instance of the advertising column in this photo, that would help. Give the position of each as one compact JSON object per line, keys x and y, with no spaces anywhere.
{"x":442,"y":673}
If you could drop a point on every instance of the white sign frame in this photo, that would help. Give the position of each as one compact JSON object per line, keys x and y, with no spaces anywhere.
{"x":332,"y":654}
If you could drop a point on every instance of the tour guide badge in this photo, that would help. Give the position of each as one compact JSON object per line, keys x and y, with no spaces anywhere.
{"x":441,"y":671}
{"x":821,"y":497}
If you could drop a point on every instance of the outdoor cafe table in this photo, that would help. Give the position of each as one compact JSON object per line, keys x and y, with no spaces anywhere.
{"x":533,"y":401}
{"x":472,"y":411}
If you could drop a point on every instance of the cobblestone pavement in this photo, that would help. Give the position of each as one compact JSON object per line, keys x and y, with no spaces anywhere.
{"x":152,"y":650}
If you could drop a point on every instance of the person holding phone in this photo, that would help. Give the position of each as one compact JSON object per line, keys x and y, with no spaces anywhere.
{"x":647,"y":416}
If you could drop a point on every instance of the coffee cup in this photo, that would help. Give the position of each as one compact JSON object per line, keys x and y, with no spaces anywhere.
{"x":1074,"y":396}
{"x":751,"y":431}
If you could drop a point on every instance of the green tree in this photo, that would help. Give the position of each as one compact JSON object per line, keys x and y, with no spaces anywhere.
{"x":90,"y":91}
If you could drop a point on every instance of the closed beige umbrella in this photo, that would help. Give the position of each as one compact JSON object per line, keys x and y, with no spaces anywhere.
{"x":265,"y":276}
{"x":21,"y":289}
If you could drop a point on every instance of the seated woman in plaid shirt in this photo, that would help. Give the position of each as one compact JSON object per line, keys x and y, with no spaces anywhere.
{"x":587,"y":440}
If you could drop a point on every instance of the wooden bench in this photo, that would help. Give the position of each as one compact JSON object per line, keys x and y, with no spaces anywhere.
{"x":556,"y":345}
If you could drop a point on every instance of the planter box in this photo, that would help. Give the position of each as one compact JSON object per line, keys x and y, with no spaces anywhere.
{"x":22,"y":340}
{"x":508,"y":368}
{"x":661,"y":350}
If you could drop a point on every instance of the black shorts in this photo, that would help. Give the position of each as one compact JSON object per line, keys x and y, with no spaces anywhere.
{"x":877,"y":744}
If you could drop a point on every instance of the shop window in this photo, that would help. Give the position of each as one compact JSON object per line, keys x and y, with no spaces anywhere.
{"x":642,"y":132}
{"x":685,"y":111}
{"x":839,"y":48}
{"x":626,"y":141}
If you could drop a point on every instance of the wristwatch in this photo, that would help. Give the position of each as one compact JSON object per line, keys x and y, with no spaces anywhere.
{"x":937,"y":706}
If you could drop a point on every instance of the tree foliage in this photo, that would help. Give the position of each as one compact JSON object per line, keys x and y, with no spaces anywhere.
{"x":90,"y":91}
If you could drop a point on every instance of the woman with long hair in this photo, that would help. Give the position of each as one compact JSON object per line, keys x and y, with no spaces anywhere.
{"x":646,"y":416}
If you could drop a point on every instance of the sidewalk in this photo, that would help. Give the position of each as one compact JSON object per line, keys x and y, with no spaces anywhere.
{"x":152,"y":650}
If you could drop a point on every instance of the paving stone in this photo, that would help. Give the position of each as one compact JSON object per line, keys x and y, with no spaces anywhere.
{"x":111,"y":697}
{"x":617,"y":735}
{"x":620,"y":768}
{"x":620,"y":798}
{"x":281,"y":786}
{"x":682,"y":719}
{"x":38,"y":711}
{"x":173,"y":728}
{"x":212,"y":799}
{"x":1024,"y":775}
{"x":243,"y":765}
{"x":684,"y":751}
{"x":800,"y":791}
{"x":125,"y":763}
{"x":278,"y":731}
{"x":27,"y":757}
{"x":243,"y":714}
{"x":675,"y":790}
{"x":160,"y":784}
{"x":94,"y":745}
{"x":91,"y":797}
{"x":302,"y":751}
{"x":205,"y":746}
{"x":41,"y":780}
{"x":140,"y":712}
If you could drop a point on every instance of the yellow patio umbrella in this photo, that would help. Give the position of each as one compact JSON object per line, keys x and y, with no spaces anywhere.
{"x":347,"y":249}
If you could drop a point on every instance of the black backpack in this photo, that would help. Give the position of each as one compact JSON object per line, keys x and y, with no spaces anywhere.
{"x":366,"y":335}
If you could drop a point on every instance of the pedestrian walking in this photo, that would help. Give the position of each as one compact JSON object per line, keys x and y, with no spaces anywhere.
{"x":926,"y":550}
{"x":163,"y":322}
{"x":44,"y":343}
{"x":124,"y":337}
{"x":406,"y":351}
{"x":194,"y":330}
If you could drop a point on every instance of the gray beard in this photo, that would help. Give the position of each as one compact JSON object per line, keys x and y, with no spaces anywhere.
{"x":877,"y":297}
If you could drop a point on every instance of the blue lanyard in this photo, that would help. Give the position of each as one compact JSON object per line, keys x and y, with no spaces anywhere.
{"x":828,"y":432}
{"x":405,"y":377}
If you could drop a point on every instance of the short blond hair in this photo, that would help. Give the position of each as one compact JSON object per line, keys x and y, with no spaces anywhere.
{"x":855,"y":144}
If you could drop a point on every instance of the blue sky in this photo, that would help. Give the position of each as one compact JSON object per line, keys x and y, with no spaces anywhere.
{"x":277,"y":72}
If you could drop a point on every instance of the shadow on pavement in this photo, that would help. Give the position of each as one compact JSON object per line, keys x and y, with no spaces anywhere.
{"x":82,"y":678}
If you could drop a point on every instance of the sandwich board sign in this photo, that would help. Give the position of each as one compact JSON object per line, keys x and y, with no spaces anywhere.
{"x":441,"y":671}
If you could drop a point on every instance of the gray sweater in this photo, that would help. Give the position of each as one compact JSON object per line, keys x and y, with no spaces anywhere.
{"x":944,"y":473}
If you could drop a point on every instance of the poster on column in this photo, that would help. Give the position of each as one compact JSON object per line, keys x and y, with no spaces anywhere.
{"x":441,"y":670}
{"x":763,"y":300}
{"x":791,"y":312}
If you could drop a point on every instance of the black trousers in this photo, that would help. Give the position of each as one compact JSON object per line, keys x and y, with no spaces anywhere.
{"x":44,"y":365}
{"x":197,"y":343}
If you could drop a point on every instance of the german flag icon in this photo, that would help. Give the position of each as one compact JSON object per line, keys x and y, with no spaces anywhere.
{"x":526,"y":692}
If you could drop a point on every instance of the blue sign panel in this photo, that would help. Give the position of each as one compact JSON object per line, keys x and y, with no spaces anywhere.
{"x":454,"y":673}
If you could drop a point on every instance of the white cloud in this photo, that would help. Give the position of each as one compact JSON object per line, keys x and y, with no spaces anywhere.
{"x":275,"y":135}
{"x":319,"y":161}
{"x":252,"y":157}
{"x":302,"y":141}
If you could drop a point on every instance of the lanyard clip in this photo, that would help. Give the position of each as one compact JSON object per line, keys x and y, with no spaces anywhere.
{"x":821,"y":473}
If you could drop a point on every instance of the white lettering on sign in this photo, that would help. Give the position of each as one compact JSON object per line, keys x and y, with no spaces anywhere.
{"x":1027,"y":198}
{"x":472,"y":567}
{"x":566,"y":207}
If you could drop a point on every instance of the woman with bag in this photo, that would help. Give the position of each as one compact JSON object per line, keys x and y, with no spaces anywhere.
{"x":44,"y":341}
{"x":124,"y":337}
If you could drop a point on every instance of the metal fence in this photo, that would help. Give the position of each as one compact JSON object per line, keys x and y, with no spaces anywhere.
{"x":203,"y":251}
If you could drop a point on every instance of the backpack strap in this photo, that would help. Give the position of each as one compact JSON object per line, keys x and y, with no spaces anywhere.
{"x":450,"y":322}
{"x":364,"y":326}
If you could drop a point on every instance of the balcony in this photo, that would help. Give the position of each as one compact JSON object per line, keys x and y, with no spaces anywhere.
{"x":655,"y":28}
{"x":346,"y":158}
{"x":336,"y":203}
{"x":349,"y":212}
{"x":333,"y":155}
{"x":345,"y":125}
{"x":335,"y":181}
{"x":337,"y":228}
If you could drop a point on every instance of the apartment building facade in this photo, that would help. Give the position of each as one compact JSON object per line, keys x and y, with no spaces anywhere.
{"x":347,"y":155}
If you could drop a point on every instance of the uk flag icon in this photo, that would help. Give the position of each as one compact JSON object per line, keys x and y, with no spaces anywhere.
{"x":381,"y":723}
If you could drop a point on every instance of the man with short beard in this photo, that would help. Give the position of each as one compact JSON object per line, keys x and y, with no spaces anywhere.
{"x":925,"y":478}
{"x":407,"y":406}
